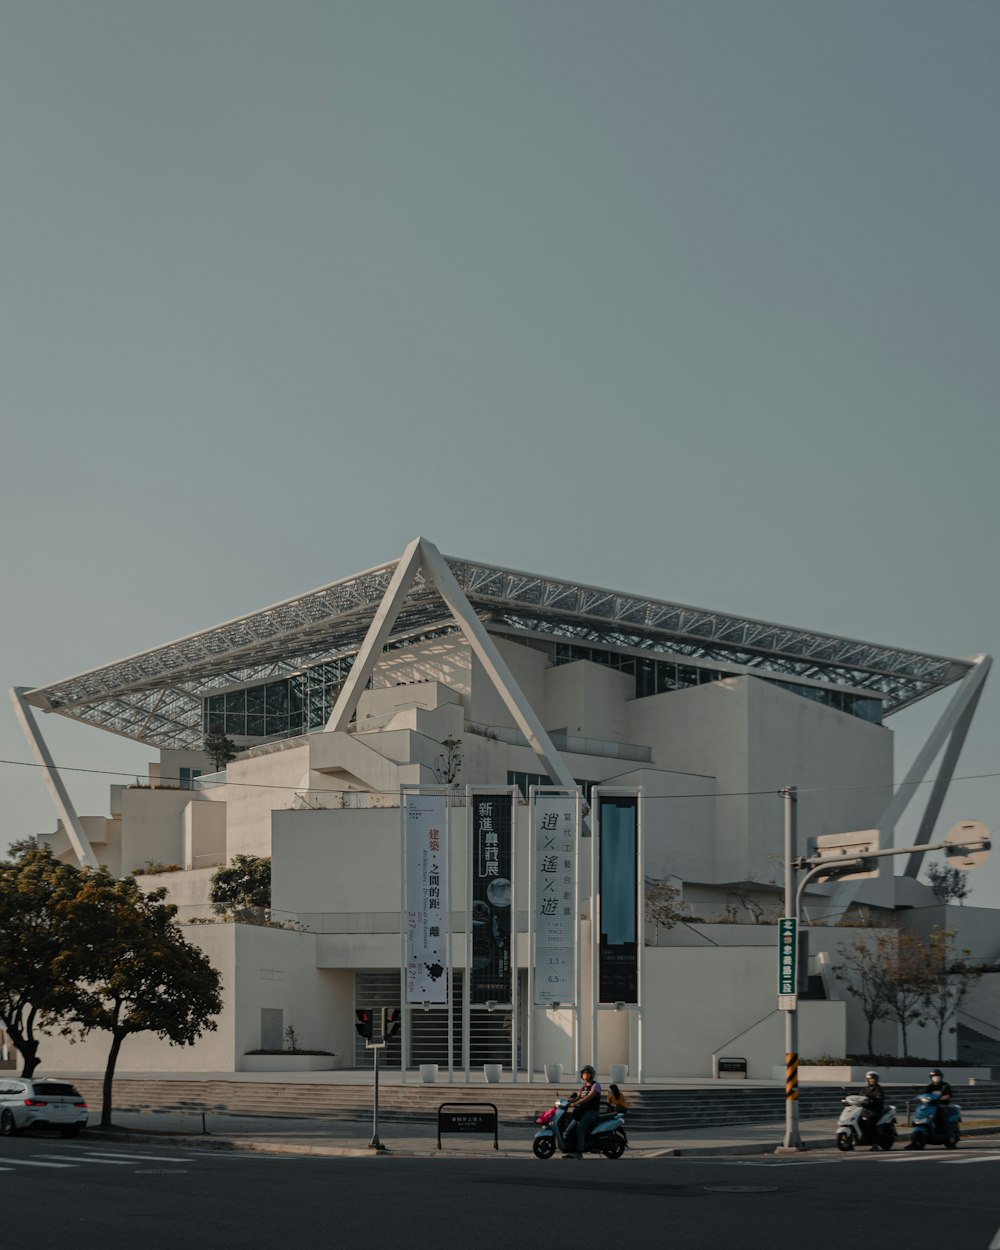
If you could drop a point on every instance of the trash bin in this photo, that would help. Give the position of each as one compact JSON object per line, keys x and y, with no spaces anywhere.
{"x":553,"y":1073}
{"x":492,"y":1072}
{"x":618,"y":1071}
{"x":428,"y":1073}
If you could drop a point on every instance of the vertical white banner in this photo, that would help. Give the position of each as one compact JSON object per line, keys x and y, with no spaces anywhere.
{"x":555,"y":841}
{"x":426,"y":918}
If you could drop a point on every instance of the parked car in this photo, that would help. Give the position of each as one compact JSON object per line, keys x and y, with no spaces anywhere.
{"x":25,"y":1103}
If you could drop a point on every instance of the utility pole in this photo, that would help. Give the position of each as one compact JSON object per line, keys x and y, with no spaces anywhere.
{"x":792,"y":1139}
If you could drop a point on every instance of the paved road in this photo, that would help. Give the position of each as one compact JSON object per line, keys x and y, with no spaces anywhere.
{"x":117,"y":1195}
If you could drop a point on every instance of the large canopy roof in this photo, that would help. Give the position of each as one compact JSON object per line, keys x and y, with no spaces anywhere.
{"x":155,"y":697}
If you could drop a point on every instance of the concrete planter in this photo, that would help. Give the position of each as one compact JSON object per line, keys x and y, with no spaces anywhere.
{"x":428,"y":1073}
{"x":833,"y":1075}
{"x":288,"y":1063}
{"x":553,"y":1073}
{"x":492,"y":1072}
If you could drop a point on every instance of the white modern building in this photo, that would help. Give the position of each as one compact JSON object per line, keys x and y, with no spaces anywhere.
{"x":431,"y":676}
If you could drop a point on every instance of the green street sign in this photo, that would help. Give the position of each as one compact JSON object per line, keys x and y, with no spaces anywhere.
{"x":787,"y":955}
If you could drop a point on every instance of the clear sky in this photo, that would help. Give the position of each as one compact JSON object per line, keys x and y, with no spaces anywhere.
{"x":696,"y":300}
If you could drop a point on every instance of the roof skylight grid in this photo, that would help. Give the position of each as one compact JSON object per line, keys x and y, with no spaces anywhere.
{"x":155,"y":697}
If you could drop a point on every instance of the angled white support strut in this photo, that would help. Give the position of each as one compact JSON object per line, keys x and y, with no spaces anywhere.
{"x":60,"y":796}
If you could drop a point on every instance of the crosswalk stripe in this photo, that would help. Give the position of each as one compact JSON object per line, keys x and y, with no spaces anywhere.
{"x":977,"y":1159}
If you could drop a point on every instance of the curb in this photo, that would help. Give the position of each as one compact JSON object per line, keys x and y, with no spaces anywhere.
{"x":208,"y":1142}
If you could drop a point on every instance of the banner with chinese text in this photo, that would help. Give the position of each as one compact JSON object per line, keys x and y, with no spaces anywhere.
{"x":555,"y":842}
{"x":491,"y":868}
{"x":618,"y":956}
{"x":426,"y":918}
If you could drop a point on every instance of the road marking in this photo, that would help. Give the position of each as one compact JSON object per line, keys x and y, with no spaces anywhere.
{"x":31,"y":1163}
{"x":977,"y":1159}
{"x":995,"y":1243}
{"x":127,"y":1158}
{"x":76,"y":1161}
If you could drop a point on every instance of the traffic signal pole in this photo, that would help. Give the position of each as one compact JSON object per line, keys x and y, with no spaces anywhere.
{"x":375,"y":1143}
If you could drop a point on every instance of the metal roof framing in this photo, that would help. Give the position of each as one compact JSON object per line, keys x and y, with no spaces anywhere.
{"x":155,"y":697}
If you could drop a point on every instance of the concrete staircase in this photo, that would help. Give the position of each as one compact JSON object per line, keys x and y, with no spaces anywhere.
{"x":652,"y":1110}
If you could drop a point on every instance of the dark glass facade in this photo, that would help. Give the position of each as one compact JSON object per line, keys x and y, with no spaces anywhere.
{"x":278,"y":709}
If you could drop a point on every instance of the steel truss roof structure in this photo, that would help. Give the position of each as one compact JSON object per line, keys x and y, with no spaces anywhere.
{"x":155,"y":697}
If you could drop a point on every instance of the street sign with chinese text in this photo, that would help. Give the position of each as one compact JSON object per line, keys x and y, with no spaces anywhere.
{"x":787,"y":955}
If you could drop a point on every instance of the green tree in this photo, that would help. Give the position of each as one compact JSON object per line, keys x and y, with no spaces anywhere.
{"x":949,"y":884}
{"x":132,"y":970}
{"x":663,"y":905}
{"x":32,"y":938}
{"x":862,"y":967}
{"x":948,"y":979}
{"x":906,"y":982}
{"x":220,"y":749}
{"x":242,"y":890}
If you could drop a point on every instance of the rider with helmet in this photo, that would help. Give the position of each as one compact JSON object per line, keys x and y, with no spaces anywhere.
{"x":938,"y":1085}
{"x":874,"y":1105}
{"x":585,"y":1107}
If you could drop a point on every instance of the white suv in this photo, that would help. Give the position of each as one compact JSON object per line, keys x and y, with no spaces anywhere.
{"x":54,"y":1104}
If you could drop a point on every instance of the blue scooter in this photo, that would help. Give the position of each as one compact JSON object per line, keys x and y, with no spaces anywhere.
{"x":934,"y":1123}
{"x":606,"y":1137}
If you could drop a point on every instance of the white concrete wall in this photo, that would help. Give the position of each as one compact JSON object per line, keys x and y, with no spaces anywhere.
{"x":152,"y":826}
{"x":528,"y":667}
{"x":587,"y":700}
{"x":976,"y":929}
{"x":203,"y":833}
{"x":447,"y":660}
{"x":698,"y":1000}
{"x":259,"y":785}
{"x":755,"y":738}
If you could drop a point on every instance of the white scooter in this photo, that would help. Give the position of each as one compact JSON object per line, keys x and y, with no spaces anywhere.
{"x":849,"y":1134}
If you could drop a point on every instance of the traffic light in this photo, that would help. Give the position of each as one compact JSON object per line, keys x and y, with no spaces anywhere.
{"x":363,"y":1022}
{"x":391,"y":1017}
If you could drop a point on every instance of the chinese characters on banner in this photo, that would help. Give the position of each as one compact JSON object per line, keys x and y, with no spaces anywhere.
{"x":618,"y":958}
{"x":787,"y":955}
{"x":491,"y":866}
{"x":555,"y":838}
{"x":426,"y":917}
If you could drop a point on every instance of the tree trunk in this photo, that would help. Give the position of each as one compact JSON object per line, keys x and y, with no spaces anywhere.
{"x":109,"y":1076}
{"x":902,"y":1030}
{"x":28,"y":1049}
{"x":940,"y":1033}
{"x":871,"y":1031}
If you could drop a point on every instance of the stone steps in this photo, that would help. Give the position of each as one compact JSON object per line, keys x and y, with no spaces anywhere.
{"x":651,"y":1110}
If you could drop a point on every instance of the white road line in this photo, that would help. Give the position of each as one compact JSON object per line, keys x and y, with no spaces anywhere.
{"x":995,"y":1243}
{"x":127,"y":1158}
{"x":977,"y":1159}
{"x":31,"y":1163}
{"x":77,"y":1160}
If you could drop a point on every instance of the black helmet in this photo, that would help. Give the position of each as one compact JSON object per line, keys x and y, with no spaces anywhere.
{"x":587,"y":1070}
{"x":936,"y":1072}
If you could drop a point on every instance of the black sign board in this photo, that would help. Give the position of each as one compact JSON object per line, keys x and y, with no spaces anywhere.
{"x":732,"y":1067}
{"x":490,"y":974}
{"x":476,"y":1117}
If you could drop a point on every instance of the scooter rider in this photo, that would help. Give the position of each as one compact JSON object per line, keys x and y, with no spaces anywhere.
{"x":874,"y":1105}
{"x":938,"y":1085}
{"x":585,"y":1106}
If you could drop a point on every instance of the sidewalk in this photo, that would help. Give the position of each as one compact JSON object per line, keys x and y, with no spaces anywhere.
{"x":350,"y":1138}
